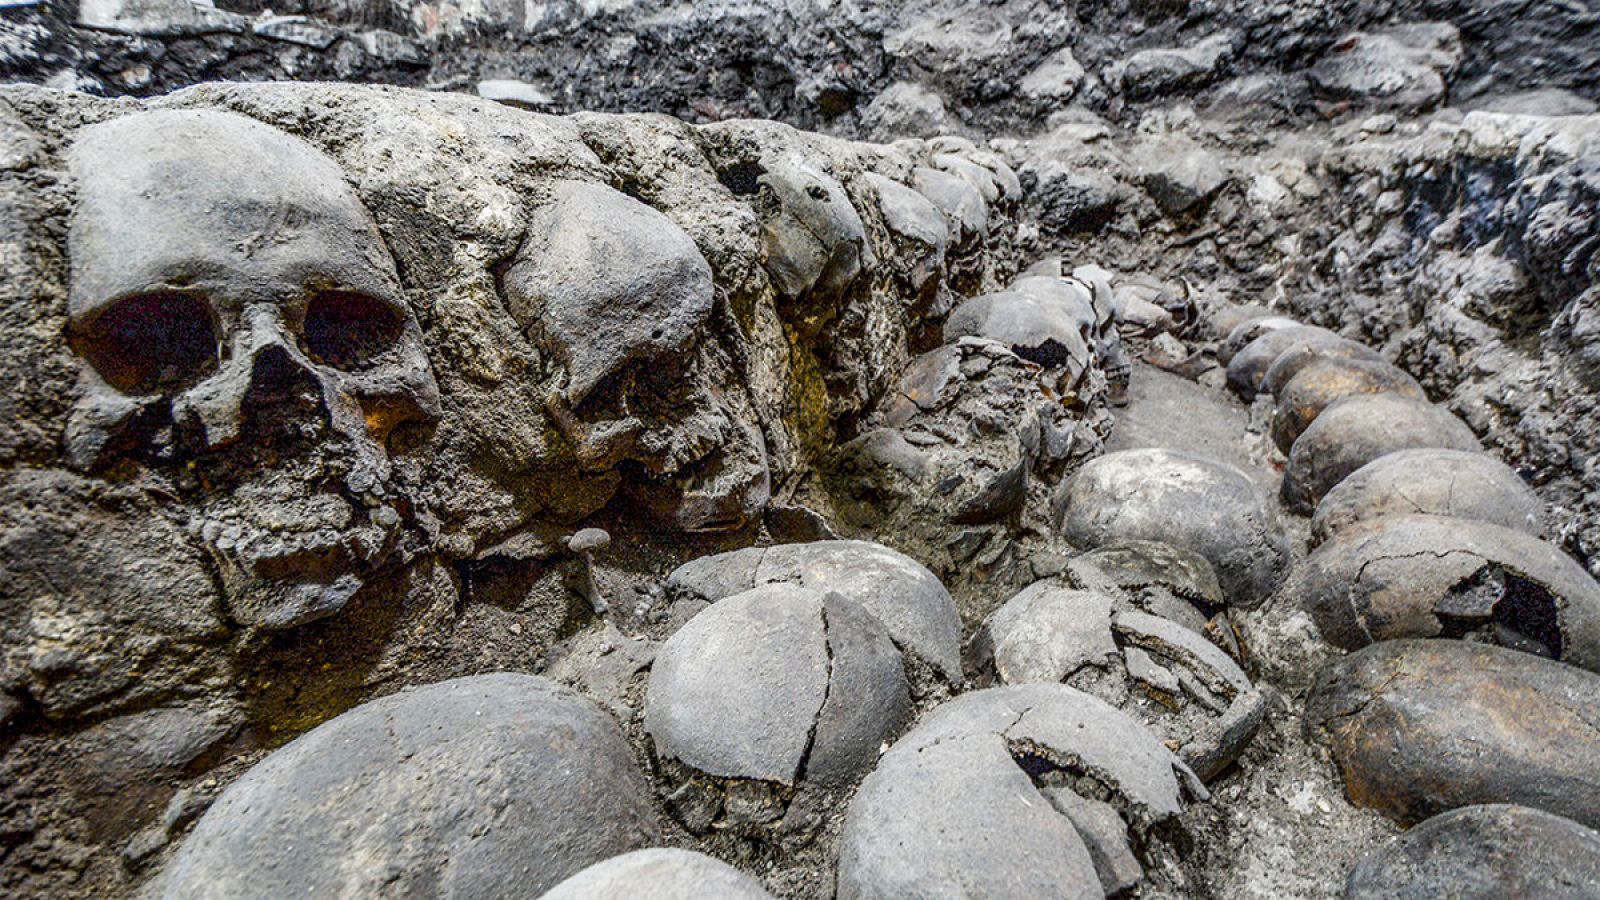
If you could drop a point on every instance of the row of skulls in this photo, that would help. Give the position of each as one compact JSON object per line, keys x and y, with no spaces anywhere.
{"x":238,"y":315}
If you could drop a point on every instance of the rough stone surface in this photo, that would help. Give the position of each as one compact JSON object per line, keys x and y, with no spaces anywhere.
{"x":1431,"y":482}
{"x":1209,"y":507}
{"x":1421,"y":727}
{"x":477,"y":787}
{"x":1359,"y":429}
{"x":1496,"y":850}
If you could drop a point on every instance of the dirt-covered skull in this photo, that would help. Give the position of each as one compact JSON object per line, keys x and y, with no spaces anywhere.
{"x":619,"y":296}
{"x":242,"y":324}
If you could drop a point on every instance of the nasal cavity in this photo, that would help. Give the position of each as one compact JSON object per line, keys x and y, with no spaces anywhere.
{"x":281,"y":383}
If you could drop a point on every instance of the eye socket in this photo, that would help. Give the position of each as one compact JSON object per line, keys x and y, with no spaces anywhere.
{"x":151,"y":343}
{"x":348,"y":330}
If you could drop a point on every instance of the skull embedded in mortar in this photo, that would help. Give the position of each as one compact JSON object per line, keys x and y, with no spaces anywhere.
{"x":243,"y":332}
{"x":618,"y":297}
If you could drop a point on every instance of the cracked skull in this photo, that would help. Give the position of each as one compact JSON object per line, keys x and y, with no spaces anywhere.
{"x":241,"y":323}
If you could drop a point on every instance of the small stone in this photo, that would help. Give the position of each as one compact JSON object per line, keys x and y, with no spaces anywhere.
{"x":514,"y":93}
{"x":158,"y":18}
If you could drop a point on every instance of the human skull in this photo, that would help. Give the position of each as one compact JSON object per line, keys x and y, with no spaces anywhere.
{"x":237,"y":310}
{"x":619,"y":296}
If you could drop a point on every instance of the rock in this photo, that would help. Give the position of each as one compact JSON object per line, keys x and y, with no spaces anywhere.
{"x":1194,"y":503}
{"x":1042,"y":332}
{"x":485,"y":786}
{"x":388,"y":47}
{"x":956,"y":807}
{"x":1327,"y":381}
{"x":1289,"y":362}
{"x":644,"y":291}
{"x":1402,"y":68}
{"x":960,"y":42}
{"x":1180,"y":176}
{"x":158,"y":18}
{"x":1248,"y":367}
{"x":1071,"y":199}
{"x":962,"y":205}
{"x":1165,"y":71}
{"x":659,"y":872}
{"x":1046,"y":633}
{"x":301,"y":30}
{"x":1482,"y":852}
{"x":1538,"y":102}
{"x":813,"y":238}
{"x":1053,"y":80}
{"x":1420,"y":727}
{"x":1167,"y":352}
{"x":779,"y":683}
{"x":905,"y":109}
{"x":1434,"y":482}
{"x":515,"y":93}
{"x":1359,"y":429}
{"x":909,"y":600}
{"x":1428,"y":576}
